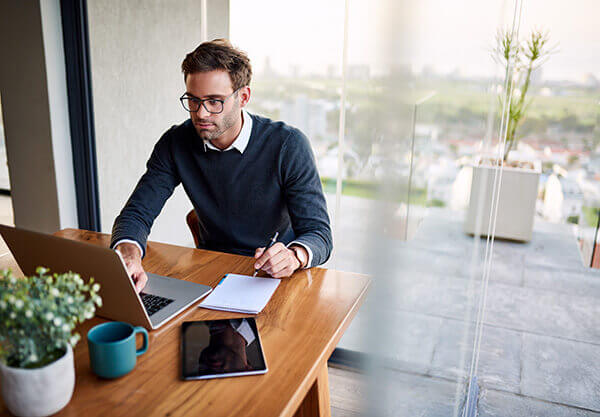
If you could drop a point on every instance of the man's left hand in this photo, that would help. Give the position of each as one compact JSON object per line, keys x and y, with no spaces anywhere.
{"x":278,"y":261}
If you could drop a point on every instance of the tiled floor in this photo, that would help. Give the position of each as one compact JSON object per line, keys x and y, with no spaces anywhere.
{"x":541,"y":333}
{"x":416,"y":395}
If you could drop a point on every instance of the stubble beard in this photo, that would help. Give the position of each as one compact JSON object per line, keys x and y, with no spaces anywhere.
{"x":221,"y":127}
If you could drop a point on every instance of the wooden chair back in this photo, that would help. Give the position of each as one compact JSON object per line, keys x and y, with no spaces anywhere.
{"x":194,"y":225}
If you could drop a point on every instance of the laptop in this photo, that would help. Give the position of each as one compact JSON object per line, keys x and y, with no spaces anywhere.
{"x":161,"y":299}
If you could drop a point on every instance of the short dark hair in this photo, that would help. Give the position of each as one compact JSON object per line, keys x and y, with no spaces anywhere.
{"x":219,"y":54}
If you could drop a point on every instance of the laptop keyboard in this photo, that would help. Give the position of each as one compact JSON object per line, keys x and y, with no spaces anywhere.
{"x":154,"y":303}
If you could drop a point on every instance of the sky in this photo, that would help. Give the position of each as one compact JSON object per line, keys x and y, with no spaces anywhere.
{"x":445,"y":35}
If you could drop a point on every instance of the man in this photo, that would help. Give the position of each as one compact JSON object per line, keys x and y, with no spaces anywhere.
{"x":246,"y":176}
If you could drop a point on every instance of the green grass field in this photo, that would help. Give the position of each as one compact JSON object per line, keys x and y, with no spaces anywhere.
{"x":374,"y":191}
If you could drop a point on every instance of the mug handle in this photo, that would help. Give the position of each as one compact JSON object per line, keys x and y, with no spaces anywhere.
{"x":144,"y":333}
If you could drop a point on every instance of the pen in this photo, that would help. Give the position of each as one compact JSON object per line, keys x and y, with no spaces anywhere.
{"x":271,"y":243}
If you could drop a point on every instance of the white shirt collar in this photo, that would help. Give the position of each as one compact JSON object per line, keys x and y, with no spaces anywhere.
{"x":241,"y":142}
{"x":244,"y":329}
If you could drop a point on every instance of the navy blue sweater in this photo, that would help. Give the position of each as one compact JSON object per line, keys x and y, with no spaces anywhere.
{"x":241,"y":199}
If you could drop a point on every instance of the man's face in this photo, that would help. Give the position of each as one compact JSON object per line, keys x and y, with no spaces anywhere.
{"x":216,"y":85}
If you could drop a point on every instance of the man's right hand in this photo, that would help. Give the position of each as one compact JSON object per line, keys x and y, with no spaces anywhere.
{"x":133,"y":262}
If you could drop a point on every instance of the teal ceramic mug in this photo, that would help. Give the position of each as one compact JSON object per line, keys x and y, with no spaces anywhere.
{"x":112,"y":348}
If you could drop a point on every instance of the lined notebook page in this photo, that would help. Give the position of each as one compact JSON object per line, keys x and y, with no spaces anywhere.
{"x":241,"y":294}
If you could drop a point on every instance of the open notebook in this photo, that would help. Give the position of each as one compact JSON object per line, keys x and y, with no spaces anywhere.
{"x":241,"y":294}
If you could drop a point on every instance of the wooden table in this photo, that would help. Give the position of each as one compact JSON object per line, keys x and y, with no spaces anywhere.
{"x":299,"y":328}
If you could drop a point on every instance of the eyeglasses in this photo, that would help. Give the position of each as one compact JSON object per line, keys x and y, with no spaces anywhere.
{"x":212,"y":105}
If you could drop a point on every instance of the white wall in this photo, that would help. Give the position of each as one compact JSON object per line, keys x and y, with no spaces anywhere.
{"x":136,"y":54}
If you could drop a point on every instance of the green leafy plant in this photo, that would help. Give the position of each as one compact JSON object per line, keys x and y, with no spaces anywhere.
{"x":520,"y":59}
{"x":38,"y":315}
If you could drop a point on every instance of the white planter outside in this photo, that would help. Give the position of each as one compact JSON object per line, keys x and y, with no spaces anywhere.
{"x":516,"y":202}
{"x":41,"y":391}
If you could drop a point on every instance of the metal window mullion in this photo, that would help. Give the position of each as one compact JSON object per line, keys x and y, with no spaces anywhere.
{"x":81,"y":113}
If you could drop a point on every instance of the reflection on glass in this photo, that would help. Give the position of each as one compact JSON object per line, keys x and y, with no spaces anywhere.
{"x":226,"y":350}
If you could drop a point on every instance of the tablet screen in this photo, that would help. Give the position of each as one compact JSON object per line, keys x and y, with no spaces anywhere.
{"x":221,"y":348}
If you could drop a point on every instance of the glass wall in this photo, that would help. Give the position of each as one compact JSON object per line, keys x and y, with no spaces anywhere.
{"x":539,"y":324}
{"x":297,"y":74}
{"x":429,"y":290}
{"x":417,"y":103}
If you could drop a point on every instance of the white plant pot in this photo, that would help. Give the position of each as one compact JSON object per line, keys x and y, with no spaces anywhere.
{"x":41,"y":391}
{"x":516,"y":202}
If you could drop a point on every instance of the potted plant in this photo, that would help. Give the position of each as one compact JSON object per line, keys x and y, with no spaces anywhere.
{"x":519,"y":178}
{"x":38,"y":315}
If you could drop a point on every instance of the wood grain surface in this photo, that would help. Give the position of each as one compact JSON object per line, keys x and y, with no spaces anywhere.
{"x":299,"y":329}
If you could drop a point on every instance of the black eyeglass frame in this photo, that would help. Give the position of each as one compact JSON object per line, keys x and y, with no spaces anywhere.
{"x":201,"y":101}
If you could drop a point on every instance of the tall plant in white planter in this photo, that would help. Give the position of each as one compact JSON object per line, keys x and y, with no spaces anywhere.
{"x":38,"y":315}
{"x":519,"y":179}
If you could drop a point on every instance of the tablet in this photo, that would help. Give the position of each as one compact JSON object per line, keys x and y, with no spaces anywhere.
{"x":221,"y":348}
